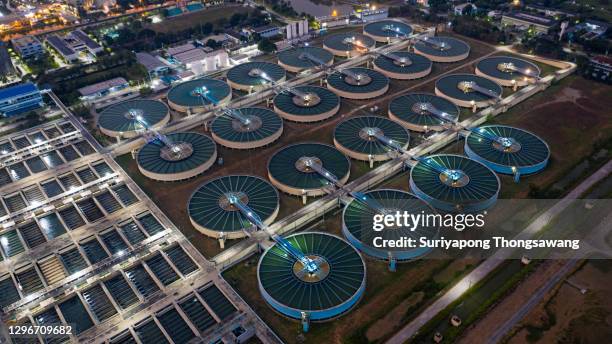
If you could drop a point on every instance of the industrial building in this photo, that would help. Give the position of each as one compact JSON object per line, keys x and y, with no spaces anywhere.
{"x":600,"y":68}
{"x":372,"y":15}
{"x":297,"y":30}
{"x":197,"y":60}
{"x":266,"y":31}
{"x":90,"y":45}
{"x":18,"y":99}
{"x":82,"y":245}
{"x":27,"y":46}
{"x":59,"y":45}
{"x":524,"y":21}
{"x":154,"y":66}
{"x":70,"y":46}
{"x":102,"y":89}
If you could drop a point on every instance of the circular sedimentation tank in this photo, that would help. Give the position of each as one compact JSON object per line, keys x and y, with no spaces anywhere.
{"x":507,"y":150}
{"x":363,"y":83}
{"x":403,"y":65}
{"x":508,"y":71}
{"x":298,"y":59}
{"x":460,"y":89}
{"x":415,"y":111}
{"x":212,"y":212}
{"x":387,"y":30}
{"x":357,"y":137}
{"x":331,"y":290}
{"x":442,"y":49}
{"x":316,"y":104}
{"x":289,"y":171}
{"x":254,"y":76}
{"x":348,"y":44}
{"x":189,"y":155}
{"x":358,"y":224}
{"x":263,"y":127}
{"x":454,"y":183}
{"x":195,"y":95}
{"x":123,"y":119}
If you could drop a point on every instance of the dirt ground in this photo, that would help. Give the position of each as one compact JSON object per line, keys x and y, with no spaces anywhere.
{"x":569,"y":316}
{"x":571,"y":117}
{"x":511,"y":303}
{"x":388,"y":295}
{"x":188,"y":20}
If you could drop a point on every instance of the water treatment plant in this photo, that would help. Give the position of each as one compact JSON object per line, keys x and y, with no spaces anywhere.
{"x":358,"y":83}
{"x":349,"y":44}
{"x":124,"y":119}
{"x":313,"y":104}
{"x":188,"y":97}
{"x":387,"y":30}
{"x":403,"y":65}
{"x":423,"y":111}
{"x":238,"y":205}
{"x":303,"y":58}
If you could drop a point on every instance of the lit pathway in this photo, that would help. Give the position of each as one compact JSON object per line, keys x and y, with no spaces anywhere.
{"x":491,"y":263}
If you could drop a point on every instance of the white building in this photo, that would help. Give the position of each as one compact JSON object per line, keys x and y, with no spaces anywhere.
{"x":27,"y":46}
{"x":372,"y":15}
{"x":198,"y":60}
{"x":333,"y":21}
{"x":102,"y":89}
{"x":296,"y":29}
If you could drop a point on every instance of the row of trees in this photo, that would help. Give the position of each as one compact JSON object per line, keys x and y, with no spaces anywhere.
{"x":137,"y":37}
{"x":66,"y":82}
{"x":480,"y":29}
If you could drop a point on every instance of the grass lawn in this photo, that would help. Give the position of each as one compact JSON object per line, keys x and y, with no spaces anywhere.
{"x":188,"y":20}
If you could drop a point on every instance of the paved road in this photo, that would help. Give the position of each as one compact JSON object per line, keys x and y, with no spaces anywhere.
{"x":493,"y":262}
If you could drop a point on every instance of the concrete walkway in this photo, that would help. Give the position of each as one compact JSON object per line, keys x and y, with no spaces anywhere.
{"x":492,"y":263}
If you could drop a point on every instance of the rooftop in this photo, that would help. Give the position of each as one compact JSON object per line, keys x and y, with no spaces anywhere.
{"x":102,"y":86}
{"x":25,"y":40}
{"x":264,"y":28}
{"x":83,"y":37}
{"x":17,"y":90}
{"x":604,"y":60}
{"x":192,"y":55}
{"x":532,"y":18}
{"x":180,"y":49}
{"x":149,"y":61}
{"x":60,"y":44}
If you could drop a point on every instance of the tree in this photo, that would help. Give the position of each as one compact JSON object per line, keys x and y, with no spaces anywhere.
{"x":438,"y":6}
{"x":468,"y":10}
{"x":207,"y":28}
{"x":145,"y":91}
{"x":211,"y":43}
{"x":266,"y":46}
